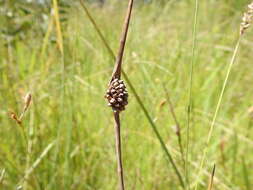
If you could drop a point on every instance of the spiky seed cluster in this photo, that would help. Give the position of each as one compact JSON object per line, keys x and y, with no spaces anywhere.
{"x":117,"y":95}
{"x":247,"y":19}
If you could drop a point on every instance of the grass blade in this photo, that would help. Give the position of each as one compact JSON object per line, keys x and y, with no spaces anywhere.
{"x":217,"y":110}
{"x":37,"y":162}
{"x":189,"y":109}
{"x":58,"y":26}
{"x":178,"y":128}
{"x":245,"y":174}
{"x":210,"y":186}
{"x":245,"y":24}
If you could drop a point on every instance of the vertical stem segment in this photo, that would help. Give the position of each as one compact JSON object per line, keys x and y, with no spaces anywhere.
{"x":117,"y":68}
{"x":116,"y":74}
{"x":189,"y":110}
{"x":118,"y":150}
{"x":210,"y":186}
{"x":217,"y":109}
{"x":178,"y":128}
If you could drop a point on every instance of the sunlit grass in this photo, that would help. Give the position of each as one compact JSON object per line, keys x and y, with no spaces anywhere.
{"x":158,"y":51}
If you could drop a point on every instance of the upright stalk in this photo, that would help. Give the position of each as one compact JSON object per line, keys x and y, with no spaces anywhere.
{"x":210,"y":186}
{"x":117,"y":94}
{"x":138,"y":99}
{"x":60,"y":45}
{"x":118,"y":150}
{"x":117,"y":68}
{"x":245,"y":24}
{"x":178,"y":128}
{"x":216,"y":112}
{"x":189,"y":109}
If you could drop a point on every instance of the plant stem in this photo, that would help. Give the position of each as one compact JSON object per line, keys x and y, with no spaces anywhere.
{"x":116,"y":74}
{"x":137,"y":97}
{"x":97,"y":28}
{"x":223,"y":90}
{"x":210,"y":186}
{"x":118,"y":149}
{"x":246,"y":174}
{"x":178,"y":128}
{"x":217,"y":111}
{"x":155,"y":130}
{"x":189,"y":109}
{"x":117,"y":68}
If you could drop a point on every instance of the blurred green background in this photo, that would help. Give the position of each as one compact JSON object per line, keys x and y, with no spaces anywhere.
{"x":67,"y":137}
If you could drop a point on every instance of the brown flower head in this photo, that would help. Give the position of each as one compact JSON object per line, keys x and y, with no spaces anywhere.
{"x":117,"y":95}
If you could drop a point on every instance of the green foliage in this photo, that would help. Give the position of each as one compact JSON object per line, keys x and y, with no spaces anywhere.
{"x":80,"y":129}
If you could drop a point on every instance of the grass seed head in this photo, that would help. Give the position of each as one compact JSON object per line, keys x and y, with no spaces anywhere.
{"x":247,"y":19}
{"x":15,"y":117}
{"x":28,"y":99}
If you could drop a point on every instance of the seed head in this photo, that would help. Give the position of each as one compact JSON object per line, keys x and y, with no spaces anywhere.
{"x":247,"y":19}
{"x":15,"y":117}
{"x":28,"y":99}
{"x":117,"y":95}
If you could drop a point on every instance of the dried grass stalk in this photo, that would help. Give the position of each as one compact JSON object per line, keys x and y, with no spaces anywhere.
{"x":117,"y":94}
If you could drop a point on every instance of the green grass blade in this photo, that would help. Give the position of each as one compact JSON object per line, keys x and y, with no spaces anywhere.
{"x":217,"y":111}
{"x":189,"y":109}
{"x":245,"y":174}
{"x":210,"y":186}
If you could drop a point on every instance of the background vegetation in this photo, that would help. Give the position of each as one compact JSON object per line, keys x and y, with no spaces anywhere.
{"x":68,"y":137}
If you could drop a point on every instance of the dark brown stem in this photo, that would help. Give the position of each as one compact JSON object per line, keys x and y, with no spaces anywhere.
{"x":118,"y":149}
{"x":116,"y":74}
{"x":117,"y":68}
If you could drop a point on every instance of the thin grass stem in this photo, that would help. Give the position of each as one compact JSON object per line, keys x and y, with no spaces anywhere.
{"x":217,"y":111}
{"x":59,"y":36}
{"x":246,"y":174}
{"x":178,"y":128}
{"x":189,"y":109}
{"x":210,"y":186}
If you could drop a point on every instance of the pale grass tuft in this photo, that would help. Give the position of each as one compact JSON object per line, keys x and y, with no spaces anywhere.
{"x":28,"y":99}
{"x":247,"y":19}
{"x":27,"y":103}
{"x":2,"y":176}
